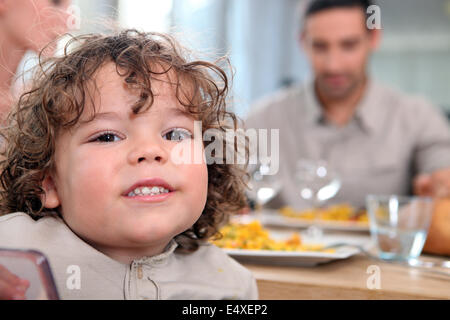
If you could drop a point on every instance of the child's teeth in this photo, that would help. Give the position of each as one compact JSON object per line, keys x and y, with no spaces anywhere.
{"x":144,"y":191}
{"x":155,"y":190}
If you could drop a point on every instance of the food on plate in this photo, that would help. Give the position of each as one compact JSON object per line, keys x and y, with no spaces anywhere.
{"x":253,"y":236}
{"x":340,"y":212}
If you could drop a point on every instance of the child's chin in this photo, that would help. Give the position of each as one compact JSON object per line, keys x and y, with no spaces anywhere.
{"x":151,"y":235}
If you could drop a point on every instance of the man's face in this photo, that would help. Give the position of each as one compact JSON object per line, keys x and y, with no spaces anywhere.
{"x":338,"y":45}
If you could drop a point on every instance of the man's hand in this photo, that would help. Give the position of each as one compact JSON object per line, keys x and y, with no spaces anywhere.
{"x":11,"y":286}
{"x":436,"y":184}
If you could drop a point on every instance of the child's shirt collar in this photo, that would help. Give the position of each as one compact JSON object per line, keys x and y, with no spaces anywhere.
{"x":159,"y":259}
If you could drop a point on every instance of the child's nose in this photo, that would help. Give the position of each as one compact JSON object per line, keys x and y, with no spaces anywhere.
{"x":148,"y":152}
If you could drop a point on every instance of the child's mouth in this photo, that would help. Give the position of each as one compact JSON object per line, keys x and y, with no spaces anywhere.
{"x":147,"y":191}
{"x":150,"y":190}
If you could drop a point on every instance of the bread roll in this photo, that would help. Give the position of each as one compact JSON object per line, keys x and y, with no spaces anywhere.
{"x":438,"y":239}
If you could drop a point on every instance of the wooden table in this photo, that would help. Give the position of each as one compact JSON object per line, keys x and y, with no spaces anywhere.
{"x":347,"y":279}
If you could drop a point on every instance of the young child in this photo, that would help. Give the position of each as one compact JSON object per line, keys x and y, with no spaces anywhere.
{"x":91,"y":175}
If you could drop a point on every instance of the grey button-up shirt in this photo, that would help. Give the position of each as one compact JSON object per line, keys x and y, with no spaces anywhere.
{"x":206,"y":274}
{"x":391,"y":138}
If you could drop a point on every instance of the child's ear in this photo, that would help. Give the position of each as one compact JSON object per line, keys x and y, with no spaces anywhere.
{"x":51,"y":198}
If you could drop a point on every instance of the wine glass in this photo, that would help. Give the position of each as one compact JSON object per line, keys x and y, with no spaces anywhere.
{"x":317,"y":182}
{"x":263,"y":186}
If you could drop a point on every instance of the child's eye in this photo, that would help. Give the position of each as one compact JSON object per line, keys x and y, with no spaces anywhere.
{"x":177,"y":134}
{"x":106,"y":137}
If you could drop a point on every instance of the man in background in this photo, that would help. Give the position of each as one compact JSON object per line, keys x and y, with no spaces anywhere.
{"x":378,"y":140}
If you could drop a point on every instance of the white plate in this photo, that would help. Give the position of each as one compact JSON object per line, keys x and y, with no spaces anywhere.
{"x":275,"y":219}
{"x":302,"y":258}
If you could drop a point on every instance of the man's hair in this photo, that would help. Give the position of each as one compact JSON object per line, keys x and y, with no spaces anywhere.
{"x":315,"y":6}
{"x":60,"y":92}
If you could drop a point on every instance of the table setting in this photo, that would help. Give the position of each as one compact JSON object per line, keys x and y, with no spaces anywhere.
{"x":326,"y":241}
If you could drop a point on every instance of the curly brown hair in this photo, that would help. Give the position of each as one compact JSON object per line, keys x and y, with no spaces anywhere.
{"x":59,"y":94}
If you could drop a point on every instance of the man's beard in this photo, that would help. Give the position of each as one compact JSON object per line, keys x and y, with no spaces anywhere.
{"x":338,"y":93}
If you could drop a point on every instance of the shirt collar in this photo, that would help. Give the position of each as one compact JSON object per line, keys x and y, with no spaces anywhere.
{"x":367,"y":113}
{"x":161,"y":258}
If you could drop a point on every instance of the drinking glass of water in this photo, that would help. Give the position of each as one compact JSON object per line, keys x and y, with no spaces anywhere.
{"x":399,"y":225}
{"x":317,"y":182}
{"x":263,"y":186}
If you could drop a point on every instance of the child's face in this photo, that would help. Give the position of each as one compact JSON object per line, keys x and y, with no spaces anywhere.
{"x":99,"y":163}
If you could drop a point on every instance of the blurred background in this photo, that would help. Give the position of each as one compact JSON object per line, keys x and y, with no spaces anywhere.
{"x":261,"y":39}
